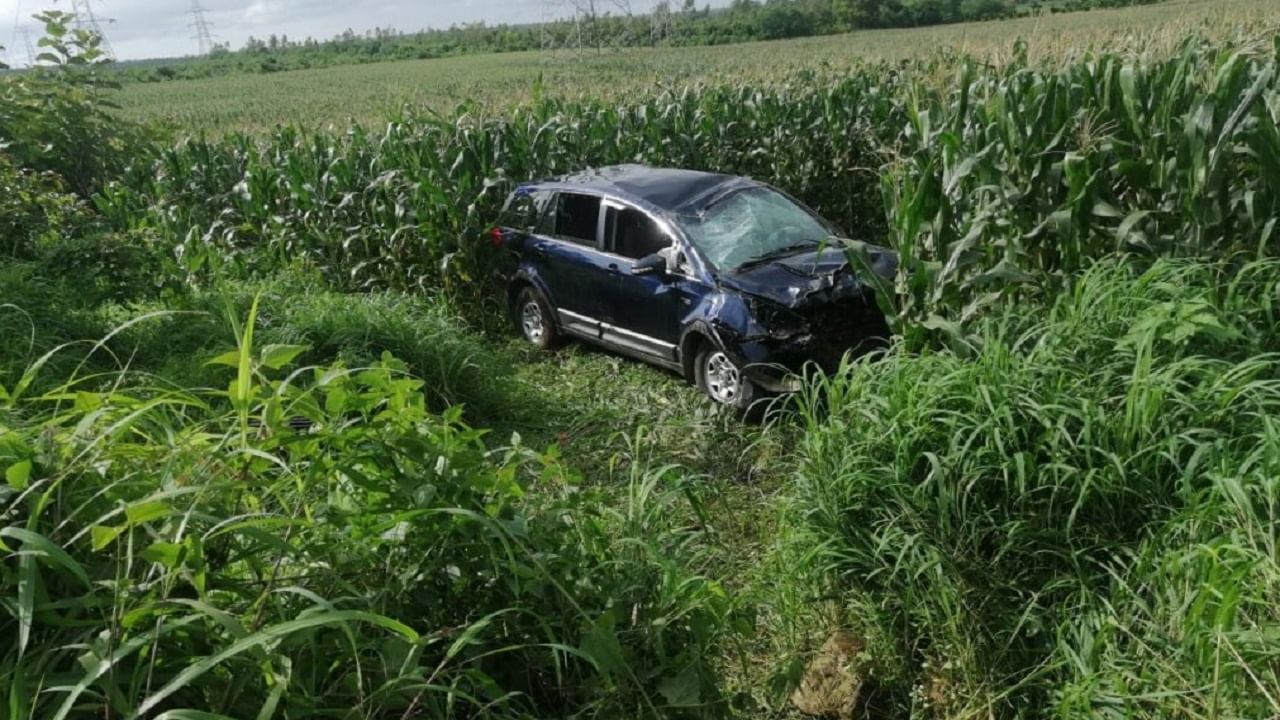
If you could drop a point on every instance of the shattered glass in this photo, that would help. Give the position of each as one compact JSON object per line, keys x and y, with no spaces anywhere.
{"x":751,"y":224}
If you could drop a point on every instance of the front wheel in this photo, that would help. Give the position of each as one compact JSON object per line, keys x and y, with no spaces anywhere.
{"x":723,"y":381}
{"x":534,"y":318}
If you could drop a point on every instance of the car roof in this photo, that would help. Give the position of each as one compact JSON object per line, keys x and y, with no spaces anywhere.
{"x":670,"y":189}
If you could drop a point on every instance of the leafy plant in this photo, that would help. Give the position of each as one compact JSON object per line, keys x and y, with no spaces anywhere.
{"x":315,"y":540}
{"x":56,"y":117}
{"x":1007,"y":528}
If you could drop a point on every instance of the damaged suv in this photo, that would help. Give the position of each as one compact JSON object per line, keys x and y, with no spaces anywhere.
{"x":730,"y":282}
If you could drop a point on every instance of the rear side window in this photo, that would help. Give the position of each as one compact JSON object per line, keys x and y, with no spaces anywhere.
{"x":525,"y":209}
{"x":576,"y":218}
{"x":632,"y":234}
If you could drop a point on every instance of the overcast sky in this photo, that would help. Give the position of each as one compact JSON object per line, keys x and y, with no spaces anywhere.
{"x":159,"y":28}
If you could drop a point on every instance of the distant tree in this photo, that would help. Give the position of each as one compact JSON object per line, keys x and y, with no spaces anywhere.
{"x":985,"y":9}
{"x":660,"y":22}
{"x":584,"y":11}
{"x":782,"y":19}
{"x":867,"y":13}
{"x":931,"y":12}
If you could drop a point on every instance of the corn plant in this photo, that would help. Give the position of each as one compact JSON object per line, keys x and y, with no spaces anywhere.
{"x":1014,"y":180}
{"x":1001,"y":184}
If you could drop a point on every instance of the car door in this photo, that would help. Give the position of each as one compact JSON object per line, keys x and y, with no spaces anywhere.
{"x":641,"y":312}
{"x":566,"y":252}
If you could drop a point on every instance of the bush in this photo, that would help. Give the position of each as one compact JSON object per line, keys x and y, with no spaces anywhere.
{"x":1032,"y":525}
{"x":56,"y":118}
{"x":315,"y":541}
{"x":33,"y":205}
{"x":108,"y":267}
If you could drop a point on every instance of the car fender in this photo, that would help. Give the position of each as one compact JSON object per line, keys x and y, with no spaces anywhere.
{"x":527,"y":274}
{"x":709,"y":323}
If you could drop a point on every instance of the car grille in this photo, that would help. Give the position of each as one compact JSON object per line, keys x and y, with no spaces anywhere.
{"x":854,"y":324}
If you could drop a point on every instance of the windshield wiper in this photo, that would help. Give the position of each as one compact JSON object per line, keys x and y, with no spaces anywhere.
{"x":777,"y":254}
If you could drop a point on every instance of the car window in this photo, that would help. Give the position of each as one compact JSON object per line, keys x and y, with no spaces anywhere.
{"x":525,"y":209}
{"x":750,"y":224}
{"x":576,"y":217}
{"x":633,"y":234}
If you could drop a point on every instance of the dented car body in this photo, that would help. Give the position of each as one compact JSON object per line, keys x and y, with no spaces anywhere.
{"x":728,"y":281}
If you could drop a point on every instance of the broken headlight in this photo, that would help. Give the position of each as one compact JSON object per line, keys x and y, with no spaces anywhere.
{"x":778,"y":322}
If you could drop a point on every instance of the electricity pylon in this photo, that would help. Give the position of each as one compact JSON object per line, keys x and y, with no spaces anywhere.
{"x":87,"y":20}
{"x":202,"y":27}
{"x":31,"y":47}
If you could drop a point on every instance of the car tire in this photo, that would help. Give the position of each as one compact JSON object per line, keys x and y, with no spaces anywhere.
{"x":719,"y":376}
{"x":535,"y":321}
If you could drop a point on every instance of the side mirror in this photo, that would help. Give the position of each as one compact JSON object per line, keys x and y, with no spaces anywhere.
{"x":654,"y":264}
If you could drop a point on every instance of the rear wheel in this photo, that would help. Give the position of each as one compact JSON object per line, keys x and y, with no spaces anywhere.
{"x":535,"y":320}
{"x":723,"y":381}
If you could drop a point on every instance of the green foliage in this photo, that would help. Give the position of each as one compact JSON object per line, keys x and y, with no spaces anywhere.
{"x":1081,"y":514}
{"x":33,"y":206}
{"x":257,"y":494}
{"x":315,"y":540}
{"x":368,"y":94}
{"x":52,"y":304}
{"x":1012,"y":181}
{"x":1001,"y":184}
{"x":407,"y":207}
{"x":56,"y":117}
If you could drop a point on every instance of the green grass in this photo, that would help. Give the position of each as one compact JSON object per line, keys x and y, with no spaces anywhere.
{"x":1055,"y":497}
{"x":368,"y":94}
{"x":1074,"y":519}
{"x":1136,"y":408}
{"x":332,"y":563}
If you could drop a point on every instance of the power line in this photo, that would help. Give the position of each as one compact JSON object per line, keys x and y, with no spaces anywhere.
{"x":202,"y":27}
{"x":87,"y":20}
{"x":17,"y":26}
{"x":31,"y":48}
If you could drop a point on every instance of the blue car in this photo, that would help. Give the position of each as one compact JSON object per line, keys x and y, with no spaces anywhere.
{"x":730,"y":282}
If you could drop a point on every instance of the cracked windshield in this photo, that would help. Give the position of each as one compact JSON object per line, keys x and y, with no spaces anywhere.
{"x":752,"y":225}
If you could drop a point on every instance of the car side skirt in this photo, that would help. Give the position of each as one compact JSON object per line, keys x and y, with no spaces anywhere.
{"x":632,"y":344}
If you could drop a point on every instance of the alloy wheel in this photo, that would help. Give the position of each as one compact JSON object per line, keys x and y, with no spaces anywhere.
{"x":532,"y":322}
{"x":722,"y":377}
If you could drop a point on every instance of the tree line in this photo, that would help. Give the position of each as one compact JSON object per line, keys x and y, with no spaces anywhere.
{"x":599,"y":25}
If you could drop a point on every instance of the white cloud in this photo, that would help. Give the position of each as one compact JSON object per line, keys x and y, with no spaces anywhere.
{"x":261,"y":12}
{"x":159,"y":28}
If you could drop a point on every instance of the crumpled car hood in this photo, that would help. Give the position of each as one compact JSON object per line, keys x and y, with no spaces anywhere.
{"x":812,"y":277}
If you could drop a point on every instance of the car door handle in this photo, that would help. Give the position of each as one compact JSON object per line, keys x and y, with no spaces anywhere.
{"x":613,"y":267}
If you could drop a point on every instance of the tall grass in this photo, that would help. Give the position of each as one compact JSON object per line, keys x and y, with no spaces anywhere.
{"x":313,"y":541}
{"x":257,"y":495}
{"x":1080,"y":516}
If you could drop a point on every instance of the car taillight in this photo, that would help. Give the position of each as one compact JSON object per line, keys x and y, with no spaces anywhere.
{"x":497,"y":237}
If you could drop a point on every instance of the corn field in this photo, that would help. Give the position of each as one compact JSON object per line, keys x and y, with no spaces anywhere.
{"x":368,"y":94}
{"x":243,"y":403}
{"x":996,"y":184}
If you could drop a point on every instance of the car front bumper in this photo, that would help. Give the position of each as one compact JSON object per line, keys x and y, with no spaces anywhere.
{"x":780,"y":366}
